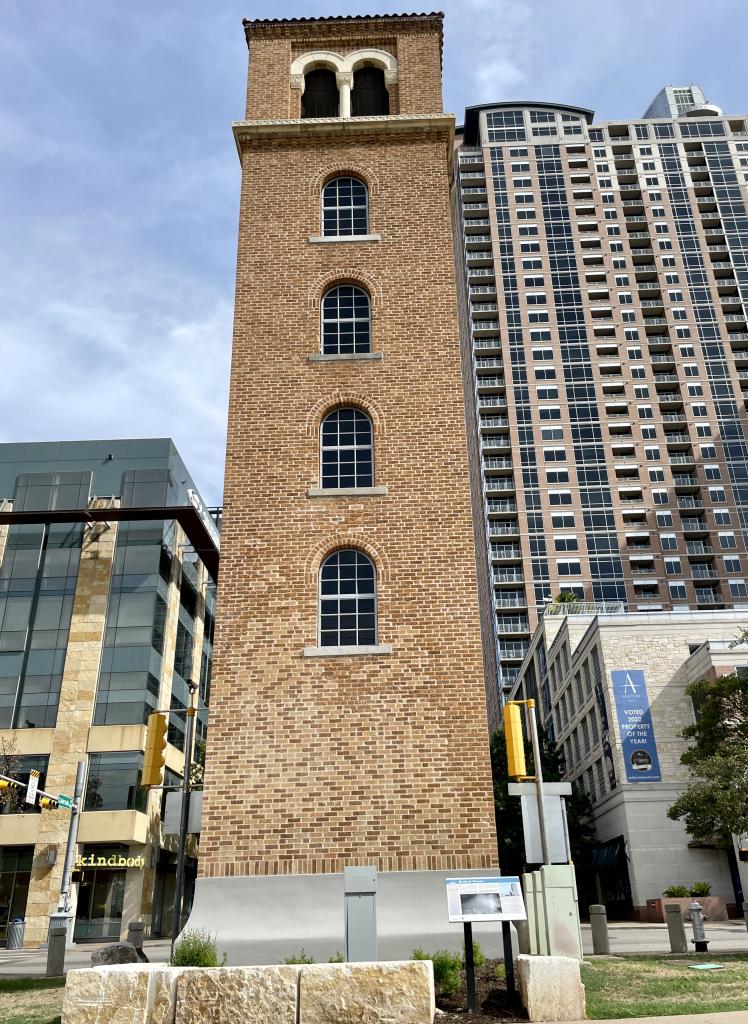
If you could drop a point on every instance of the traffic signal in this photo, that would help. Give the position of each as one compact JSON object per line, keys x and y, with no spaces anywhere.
{"x":10,"y":784}
{"x":155,"y":750}
{"x":48,"y":803}
{"x":515,"y":743}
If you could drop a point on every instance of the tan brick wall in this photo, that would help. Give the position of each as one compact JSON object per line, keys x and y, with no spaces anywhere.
{"x":314,"y":763}
{"x":415,"y":43}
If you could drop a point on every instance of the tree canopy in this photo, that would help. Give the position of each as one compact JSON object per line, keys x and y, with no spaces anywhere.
{"x":715,"y":803}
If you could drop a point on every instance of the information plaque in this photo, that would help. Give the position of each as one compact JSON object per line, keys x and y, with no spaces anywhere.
{"x":485,"y":899}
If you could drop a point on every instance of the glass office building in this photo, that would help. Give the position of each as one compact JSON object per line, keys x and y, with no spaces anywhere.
{"x":101,"y":623}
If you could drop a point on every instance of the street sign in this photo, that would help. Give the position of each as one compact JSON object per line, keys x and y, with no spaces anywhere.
{"x":32,"y":787}
{"x":65,"y":801}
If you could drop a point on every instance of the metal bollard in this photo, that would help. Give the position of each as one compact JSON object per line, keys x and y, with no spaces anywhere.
{"x":676,"y":928}
{"x":745,"y":914}
{"x":700,"y":941}
{"x":58,"y":933}
{"x":599,"y":923}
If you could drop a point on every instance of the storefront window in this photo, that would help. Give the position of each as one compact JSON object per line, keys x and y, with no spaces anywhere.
{"x":100,"y":896}
{"x":114,"y":782}
{"x":15,"y":873}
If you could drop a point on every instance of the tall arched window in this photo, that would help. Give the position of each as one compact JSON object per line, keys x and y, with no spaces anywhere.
{"x":320,"y":97}
{"x":345,"y":207}
{"x":346,"y":321}
{"x":369,"y":97}
{"x":347,"y":449}
{"x":347,"y":600}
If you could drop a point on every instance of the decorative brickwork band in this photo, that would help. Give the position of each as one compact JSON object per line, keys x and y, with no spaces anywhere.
{"x":351,"y":539}
{"x":345,"y":275}
{"x":345,"y":398}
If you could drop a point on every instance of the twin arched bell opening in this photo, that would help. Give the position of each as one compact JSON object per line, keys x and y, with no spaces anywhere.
{"x":321,"y":96}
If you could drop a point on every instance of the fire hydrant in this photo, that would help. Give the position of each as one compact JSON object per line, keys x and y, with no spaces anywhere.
{"x":700,"y":941}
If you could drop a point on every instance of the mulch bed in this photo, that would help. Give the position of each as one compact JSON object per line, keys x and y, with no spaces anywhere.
{"x":491,"y":999}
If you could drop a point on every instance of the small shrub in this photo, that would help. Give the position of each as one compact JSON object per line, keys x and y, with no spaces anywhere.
{"x":196,"y":947}
{"x":500,"y":972}
{"x":447,"y":967}
{"x":676,"y":892}
{"x":479,"y":957}
{"x":300,"y":958}
{"x":337,"y":958}
{"x":701,"y":889}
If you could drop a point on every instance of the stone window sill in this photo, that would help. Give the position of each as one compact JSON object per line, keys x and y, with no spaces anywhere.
{"x":347,"y":492}
{"x":350,"y":358}
{"x":338,"y":652}
{"x":344,"y":238}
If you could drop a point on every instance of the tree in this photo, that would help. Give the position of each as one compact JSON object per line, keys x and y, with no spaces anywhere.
{"x":715,"y":803}
{"x":11,"y":800}
{"x":509,"y":814}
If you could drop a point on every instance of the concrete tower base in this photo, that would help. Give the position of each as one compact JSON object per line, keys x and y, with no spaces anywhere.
{"x":263,"y":920}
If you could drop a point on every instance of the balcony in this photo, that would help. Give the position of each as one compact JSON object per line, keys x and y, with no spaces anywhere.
{"x":494,"y":421}
{"x":708,"y":597}
{"x":681,"y":459}
{"x":501,"y":552}
{"x":510,"y":601}
{"x":489,"y":362}
{"x":696,"y":549}
{"x":496,"y":505}
{"x":483,"y":307}
{"x":499,"y":483}
{"x":497,"y":464}
{"x":490,"y":381}
{"x":487,"y":344}
{"x":677,"y":438}
{"x":478,"y":257}
{"x":484,"y":326}
{"x":475,"y":224}
{"x":703,"y":572}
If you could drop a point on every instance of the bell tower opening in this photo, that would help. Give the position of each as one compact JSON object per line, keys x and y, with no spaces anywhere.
{"x":320,"y":97}
{"x":369,"y":97}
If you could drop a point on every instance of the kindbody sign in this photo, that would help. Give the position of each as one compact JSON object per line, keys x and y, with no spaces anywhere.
{"x":635,"y":725}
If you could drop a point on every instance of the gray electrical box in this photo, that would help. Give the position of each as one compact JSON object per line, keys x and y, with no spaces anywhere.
{"x":360,"y":886}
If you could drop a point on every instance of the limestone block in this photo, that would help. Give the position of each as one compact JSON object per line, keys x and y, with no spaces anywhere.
{"x":225,"y":995}
{"x":551,"y":988}
{"x":367,"y":993}
{"x":107,"y":995}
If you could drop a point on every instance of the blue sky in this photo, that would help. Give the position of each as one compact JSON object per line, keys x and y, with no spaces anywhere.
{"x":119,"y":180}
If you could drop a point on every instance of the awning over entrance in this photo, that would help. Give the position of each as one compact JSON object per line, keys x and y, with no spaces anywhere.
{"x":607,"y":856}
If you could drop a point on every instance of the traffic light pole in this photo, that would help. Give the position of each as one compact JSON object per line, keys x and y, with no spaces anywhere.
{"x":538,"y":779}
{"x":63,"y":904}
{"x":184,"y":819}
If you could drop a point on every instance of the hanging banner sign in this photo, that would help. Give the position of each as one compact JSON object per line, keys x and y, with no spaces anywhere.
{"x":635,"y":725}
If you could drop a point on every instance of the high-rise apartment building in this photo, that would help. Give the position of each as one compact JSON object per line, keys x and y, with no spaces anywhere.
{"x":348,"y":722}
{"x":605,"y":346}
{"x":106,"y":613}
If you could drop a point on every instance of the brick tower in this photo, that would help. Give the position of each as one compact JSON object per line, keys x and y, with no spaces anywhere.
{"x":348,"y":722}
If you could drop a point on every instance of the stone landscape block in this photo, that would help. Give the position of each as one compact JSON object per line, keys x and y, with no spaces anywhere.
{"x":551,"y":988}
{"x":367,"y":993}
{"x":229,"y":995}
{"x":107,"y":995}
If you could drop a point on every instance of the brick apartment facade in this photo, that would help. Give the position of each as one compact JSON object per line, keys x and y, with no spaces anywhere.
{"x":325,"y":757}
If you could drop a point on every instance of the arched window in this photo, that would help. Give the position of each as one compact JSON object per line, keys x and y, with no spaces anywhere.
{"x":347,"y":600}
{"x":345,"y":207}
{"x":347,"y":449}
{"x":320,"y":97}
{"x":369,"y":97}
{"x":346,"y":321}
